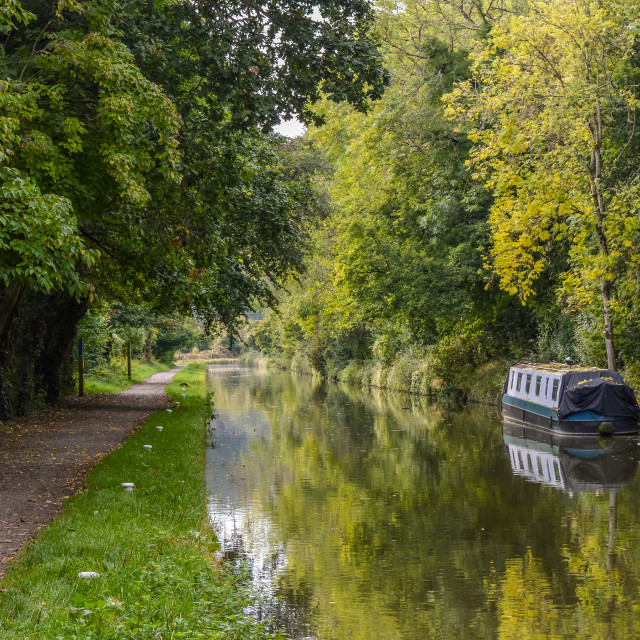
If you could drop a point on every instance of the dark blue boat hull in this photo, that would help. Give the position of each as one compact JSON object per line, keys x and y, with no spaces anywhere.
{"x":531,"y":413}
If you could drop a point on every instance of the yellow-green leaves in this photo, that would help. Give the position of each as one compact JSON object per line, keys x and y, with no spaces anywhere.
{"x":12,"y":14}
{"x":548,"y":91}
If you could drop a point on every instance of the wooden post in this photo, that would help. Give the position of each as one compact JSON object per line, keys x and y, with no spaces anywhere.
{"x":80,"y":369}
{"x":129,"y":359}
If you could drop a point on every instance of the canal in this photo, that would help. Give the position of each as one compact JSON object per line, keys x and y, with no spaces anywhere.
{"x":365,"y":515}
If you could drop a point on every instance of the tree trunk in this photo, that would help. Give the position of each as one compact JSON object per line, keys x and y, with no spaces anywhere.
{"x":35,"y":358}
{"x":605,"y":294}
{"x":54,"y":366}
{"x":600,"y":209}
{"x":8,"y":305}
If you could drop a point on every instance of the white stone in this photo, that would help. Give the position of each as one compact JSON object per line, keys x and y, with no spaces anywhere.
{"x":168,"y":410}
{"x":128,"y":486}
{"x":147,"y":446}
{"x":159,"y":428}
{"x":88,"y":575}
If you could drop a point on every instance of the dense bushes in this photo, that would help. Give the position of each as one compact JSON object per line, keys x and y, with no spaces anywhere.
{"x":106,"y":330}
{"x":468,"y":363}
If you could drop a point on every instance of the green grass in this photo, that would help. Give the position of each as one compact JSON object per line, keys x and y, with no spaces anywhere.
{"x":114,"y":379}
{"x":152,"y":547}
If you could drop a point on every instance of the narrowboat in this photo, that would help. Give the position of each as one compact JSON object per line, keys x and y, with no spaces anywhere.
{"x":569,"y":399}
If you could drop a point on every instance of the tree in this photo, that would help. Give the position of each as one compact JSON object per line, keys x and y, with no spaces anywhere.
{"x":136,"y":161}
{"x":551,"y":109}
{"x":404,"y":246}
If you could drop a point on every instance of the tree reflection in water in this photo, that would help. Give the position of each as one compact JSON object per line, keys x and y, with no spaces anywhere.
{"x":362,"y":518}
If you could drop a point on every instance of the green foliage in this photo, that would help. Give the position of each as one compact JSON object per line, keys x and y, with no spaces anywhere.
{"x":588,"y":342}
{"x":12,"y":14}
{"x":559,"y":338}
{"x":107,"y":330}
{"x":395,"y":281}
{"x":499,"y":168}
{"x":400,"y":376}
{"x":39,"y":242}
{"x":174,"y":335}
{"x":251,"y":358}
{"x":126,"y":335}
{"x":137,"y":163}
{"x":95,"y":331}
{"x":550,"y":109}
{"x":464,"y":348}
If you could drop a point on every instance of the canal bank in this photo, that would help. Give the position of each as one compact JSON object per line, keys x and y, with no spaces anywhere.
{"x":435,"y":377}
{"x":149,"y":552}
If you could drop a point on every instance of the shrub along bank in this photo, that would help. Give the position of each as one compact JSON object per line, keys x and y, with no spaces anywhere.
{"x":457,"y":368}
{"x":152,"y":547}
{"x":468,"y":363}
{"x":407,"y":373}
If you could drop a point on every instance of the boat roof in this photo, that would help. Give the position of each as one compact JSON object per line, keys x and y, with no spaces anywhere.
{"x":554,"y":367}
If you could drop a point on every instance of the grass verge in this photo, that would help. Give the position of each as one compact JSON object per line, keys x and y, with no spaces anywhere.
{"x":152,"y":547}
{"x":114,"y":379}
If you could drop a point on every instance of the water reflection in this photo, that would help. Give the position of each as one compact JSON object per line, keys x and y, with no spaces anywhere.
{"x":571,"y":463}
{"x":365,"y":515}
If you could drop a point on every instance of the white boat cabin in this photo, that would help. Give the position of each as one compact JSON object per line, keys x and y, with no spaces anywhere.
{"x":540,"y":383}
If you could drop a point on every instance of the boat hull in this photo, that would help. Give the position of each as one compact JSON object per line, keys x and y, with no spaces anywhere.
{"x":530,"y":413}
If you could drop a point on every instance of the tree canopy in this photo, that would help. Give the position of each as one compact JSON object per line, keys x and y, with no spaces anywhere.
{"x":137,"y":161}
{"x":485,"y":209}
{"x":552,"y":107}
{"x":144,"y":127}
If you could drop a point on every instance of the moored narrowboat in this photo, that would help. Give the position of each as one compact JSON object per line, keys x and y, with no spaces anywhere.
{"x":570,"y":399}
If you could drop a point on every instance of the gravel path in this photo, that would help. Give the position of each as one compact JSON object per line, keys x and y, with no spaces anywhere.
{"x":44,"y":458}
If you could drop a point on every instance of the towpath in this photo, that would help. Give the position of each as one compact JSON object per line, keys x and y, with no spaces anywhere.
{"x":44,"y":458}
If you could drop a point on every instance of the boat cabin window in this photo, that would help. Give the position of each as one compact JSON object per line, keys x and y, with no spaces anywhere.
{"x":546,"y":387}
{"x":538,"y":383}
{"x":513,"y":376}
{"x":519,"y":381}
{"x":554,"y":392}
{"x":528,"y":383}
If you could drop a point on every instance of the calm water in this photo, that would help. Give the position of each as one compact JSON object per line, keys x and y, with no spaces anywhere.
{"x":366,"y":516}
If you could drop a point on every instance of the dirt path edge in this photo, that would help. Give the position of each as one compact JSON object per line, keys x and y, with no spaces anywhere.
{"x":45,"y":458}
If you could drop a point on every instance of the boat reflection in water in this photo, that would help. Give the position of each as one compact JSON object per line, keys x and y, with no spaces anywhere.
{"x":571,"y":463}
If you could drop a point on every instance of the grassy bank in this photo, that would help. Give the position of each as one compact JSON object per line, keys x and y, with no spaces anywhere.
{"x":151,"y":547}
{"x":257,"y":360}
{"x":114,"y":378}
{"x":407,"y":373}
